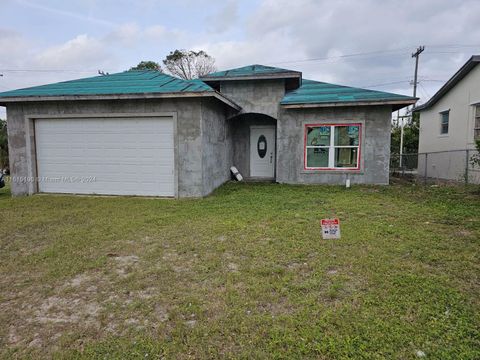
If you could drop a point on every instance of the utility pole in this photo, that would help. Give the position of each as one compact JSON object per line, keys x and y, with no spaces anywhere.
{"x":416,"y":55}
{"x":401,"y":135}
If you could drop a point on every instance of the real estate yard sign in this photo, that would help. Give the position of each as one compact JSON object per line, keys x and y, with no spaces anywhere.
{"x":330,"y":228}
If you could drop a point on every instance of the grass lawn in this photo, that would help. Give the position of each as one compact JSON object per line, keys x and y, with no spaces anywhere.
{"x":243,"y":273}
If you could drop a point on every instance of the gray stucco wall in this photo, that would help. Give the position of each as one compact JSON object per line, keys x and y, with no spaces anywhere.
{"x":375,"y":149}
{"x":210,"y":139}
{"x":189,"y":167}
{"x":240,"y":128}
{"x":216,"y":146}
{"x":260,"y":102}
{"x":262,"y":96}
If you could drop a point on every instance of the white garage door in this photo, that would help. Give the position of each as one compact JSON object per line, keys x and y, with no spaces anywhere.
{"x":111,"y":156}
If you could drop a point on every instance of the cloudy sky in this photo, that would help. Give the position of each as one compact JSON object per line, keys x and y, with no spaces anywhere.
{"x":365,"y":43}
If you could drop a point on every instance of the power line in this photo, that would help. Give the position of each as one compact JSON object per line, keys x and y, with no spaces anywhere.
{"x":390,"y":52}
{"x":49,"y":70}
{"x":384,"y":84}
{"x":453,"y":45}
{"x":423,"y":88}
{"x":341,"y":56}
{"x":433,"y":80}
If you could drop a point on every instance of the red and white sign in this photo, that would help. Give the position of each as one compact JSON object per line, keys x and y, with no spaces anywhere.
{"x":330,"y":228}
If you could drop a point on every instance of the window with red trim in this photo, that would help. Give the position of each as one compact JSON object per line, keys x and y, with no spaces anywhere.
{"x":332,"y":146}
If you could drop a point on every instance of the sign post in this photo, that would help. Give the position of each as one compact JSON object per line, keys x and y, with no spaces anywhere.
{"x":330,"y":228}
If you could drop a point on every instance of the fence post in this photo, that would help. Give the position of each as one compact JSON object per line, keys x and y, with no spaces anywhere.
{"x":425,"y":171}
{"x":466,"y":166}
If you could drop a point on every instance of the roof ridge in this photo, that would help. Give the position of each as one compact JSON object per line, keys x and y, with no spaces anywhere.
{"x":249,"y":70}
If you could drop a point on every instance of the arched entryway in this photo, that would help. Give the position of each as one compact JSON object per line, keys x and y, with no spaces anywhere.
{"x":254,"y":145}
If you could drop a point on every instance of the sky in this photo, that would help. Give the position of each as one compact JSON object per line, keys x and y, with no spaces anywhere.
{"x":362,"y":43}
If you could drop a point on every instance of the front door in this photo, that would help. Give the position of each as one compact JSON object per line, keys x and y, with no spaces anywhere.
{"x":262,"y":151}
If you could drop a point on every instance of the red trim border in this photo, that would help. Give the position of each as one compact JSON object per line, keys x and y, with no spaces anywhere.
{"x":359,"y":156}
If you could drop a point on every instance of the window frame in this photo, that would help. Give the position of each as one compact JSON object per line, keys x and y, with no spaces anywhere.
{"x":332,"y":146}
{"x":442,"y":114}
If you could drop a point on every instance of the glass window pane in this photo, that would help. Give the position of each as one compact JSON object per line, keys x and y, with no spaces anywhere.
{"x":444,"y":123}
{"x":347,"y":135}
{"x":317,"y":157}
{"x":318,"y":136}
{"x":445,"y":116}
{"x":346,"y":157}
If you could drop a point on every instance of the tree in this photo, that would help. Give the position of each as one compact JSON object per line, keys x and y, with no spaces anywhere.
{"x":189,"y":64}
{"x":3,"y":145}
{"x":475,"y":159}
{"x":147,"y":65}
{"x":410,"y":136}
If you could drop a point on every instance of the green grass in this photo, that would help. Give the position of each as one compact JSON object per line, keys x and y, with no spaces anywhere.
{"x":243,"y":273}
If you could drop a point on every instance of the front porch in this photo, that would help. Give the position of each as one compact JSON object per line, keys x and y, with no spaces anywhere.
{"x":254,"y":146}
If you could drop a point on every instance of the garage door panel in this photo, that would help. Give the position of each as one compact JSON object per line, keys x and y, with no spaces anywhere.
{"x":124,"y":156}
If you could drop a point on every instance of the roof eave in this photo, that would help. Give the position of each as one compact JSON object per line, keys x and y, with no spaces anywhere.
{"x":16,"y":99}
{"x":397,"y":104}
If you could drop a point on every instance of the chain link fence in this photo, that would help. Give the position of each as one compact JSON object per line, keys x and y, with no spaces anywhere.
{"x":437,"y":167}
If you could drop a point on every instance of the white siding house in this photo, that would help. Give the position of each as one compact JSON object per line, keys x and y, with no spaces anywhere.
{"x":449,"y":125}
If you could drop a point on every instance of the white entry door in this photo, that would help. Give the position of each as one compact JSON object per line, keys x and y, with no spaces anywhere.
{"x":110,"y":156}
{"x":262,"y":151}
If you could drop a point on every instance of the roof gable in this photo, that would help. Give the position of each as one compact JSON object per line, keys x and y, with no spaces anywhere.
{"x":127,"y":82}
{"x":252,"y":71}
{"x":316,"y":93}
{"x":454,"y":80}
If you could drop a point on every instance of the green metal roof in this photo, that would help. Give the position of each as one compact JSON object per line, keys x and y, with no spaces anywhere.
{"x":128,"y":82}
{"x":153,"y":83}
{"x":316,"y":92}
{"x":249,"y":71}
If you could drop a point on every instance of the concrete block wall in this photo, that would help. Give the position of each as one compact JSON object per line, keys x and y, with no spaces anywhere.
{"x":260,"y":96}
{"x":216,"y":146}
{"x":260,"y":102}
{"x":375,"y":144}
{"x":189,"y":135}
{"x":240,"y":126}
{"x":210,"y":138}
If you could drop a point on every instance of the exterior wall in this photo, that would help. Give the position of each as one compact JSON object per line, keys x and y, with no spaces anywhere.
{"x":189,"y":165}
{"x":216,"y":146}
{"x":261,"y":96}
{"x":449,"y":164}
{"x":260,"y":102}
{"x":240,"y":127}
{"x":207,"y":144}
{"x":375,"y":145}
{"x":461,"y":119}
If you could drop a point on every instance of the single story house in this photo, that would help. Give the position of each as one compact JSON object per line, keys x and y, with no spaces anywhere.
{"x":449,"y":126}
{"x":148,"y":133}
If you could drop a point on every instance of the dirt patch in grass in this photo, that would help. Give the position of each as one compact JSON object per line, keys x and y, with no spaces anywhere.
{"x":84,"y":304}
{"x":42,"y":316}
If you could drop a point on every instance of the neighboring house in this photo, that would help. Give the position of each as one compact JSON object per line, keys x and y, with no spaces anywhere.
{"x":147,"y":133}
{"x":449,"y":124}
